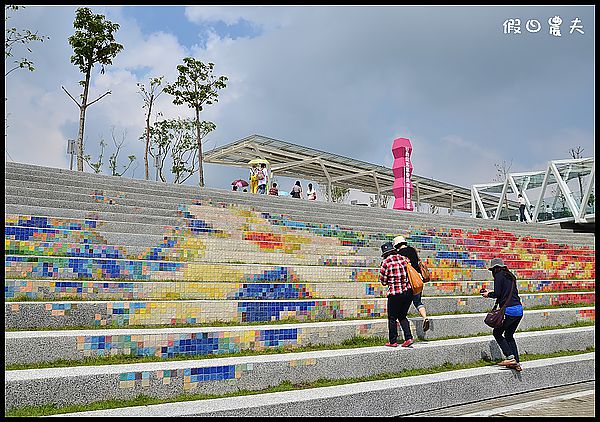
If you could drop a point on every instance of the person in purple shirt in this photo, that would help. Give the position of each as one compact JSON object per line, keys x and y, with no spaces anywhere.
{"x":506,"y":292}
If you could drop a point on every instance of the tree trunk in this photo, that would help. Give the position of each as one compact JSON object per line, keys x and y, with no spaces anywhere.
{"x":148,"y":136}
{"x":82,"y":119}
{"x":200,"y":172}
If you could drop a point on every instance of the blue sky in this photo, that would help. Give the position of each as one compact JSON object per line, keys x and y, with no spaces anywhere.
{"x":343,"y":79}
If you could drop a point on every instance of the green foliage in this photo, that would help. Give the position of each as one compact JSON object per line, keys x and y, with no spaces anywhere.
{"x":339,"y":194}
{"x":177,"y":137}
{"x":93,"y":41}
{"x":112,"y":160}
{"x":97,"y":166}
{"x":196,"y":85}
{"x":14,"y":36}
{"x":149,"y":95}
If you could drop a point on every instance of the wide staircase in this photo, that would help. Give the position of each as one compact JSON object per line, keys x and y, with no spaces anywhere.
{"x":132,"y":297}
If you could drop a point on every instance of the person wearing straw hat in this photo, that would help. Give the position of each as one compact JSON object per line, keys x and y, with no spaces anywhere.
{"x":506,"y":293}
{"x":403,"y":249}
{"x":393,"y":274}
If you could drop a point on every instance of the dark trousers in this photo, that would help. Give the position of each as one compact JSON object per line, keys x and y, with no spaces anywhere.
{"x":397,"y":307}
{"x":522,"y":212}
{"x":507,"y":343}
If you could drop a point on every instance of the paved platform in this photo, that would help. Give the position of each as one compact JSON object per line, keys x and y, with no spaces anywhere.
{"x":576,"y":400}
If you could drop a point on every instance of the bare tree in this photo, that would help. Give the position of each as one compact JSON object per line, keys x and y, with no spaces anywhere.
{"x":149,"y":96}
{"x":577,"y":152}
{"x":112,"y":161}
{"x":502,"y":171}
{"x":433,"y":209}
{"x":97,"y":166}
{"x":383,"y":200}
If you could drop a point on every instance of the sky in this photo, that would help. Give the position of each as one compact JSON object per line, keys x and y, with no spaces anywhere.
{"x":342,"y":79}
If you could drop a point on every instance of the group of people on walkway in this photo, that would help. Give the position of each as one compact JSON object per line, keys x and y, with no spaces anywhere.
{"x":259,"y":180}
{"x":297,"y":192}
{"x":393,"y":273}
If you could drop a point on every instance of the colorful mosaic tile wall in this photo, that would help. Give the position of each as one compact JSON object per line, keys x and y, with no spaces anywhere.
{"x":218,"y":342}
{"x":165,"y":313}
{"x":190,"y":312}
{"x":104,"y":290}
{"x":191,"y":376}
{"x":66,"y":250}
{"x":107,"y":269}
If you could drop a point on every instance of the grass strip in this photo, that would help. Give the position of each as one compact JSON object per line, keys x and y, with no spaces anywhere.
{"x":142,"y":400}
{"x":351,"y":343}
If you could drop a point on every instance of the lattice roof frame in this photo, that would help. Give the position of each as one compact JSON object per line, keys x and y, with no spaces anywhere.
{"x":296,"y":161}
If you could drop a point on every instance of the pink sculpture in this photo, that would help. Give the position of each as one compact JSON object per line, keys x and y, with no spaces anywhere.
{"x":402,"y":168}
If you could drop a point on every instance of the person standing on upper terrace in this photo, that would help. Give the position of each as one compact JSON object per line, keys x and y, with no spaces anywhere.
{"x":296,"y":191}
{"x":274,"y":190}
{"x":311,"y":193}
{"x":393,"y":273}
{"x":522,"y":206}
{"x":506,"y":293}
{"x":263,"y":175}
{"x":253,"y":178}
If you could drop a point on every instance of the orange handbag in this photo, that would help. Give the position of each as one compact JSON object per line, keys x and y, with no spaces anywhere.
{"x":415,"y":279}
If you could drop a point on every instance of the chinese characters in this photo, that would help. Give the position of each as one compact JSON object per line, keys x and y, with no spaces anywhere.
{"x":513,"y":26}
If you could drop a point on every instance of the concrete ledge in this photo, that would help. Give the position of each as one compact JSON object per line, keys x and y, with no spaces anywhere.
{"x":128,"y":197}
{"x":395,"y":397}
{"x":220,"y":375}
{"x":192,"y":290}
{"x":47,"y":346}
{"x":351,"y":221}
{"x":35,"y":315}
{"x":19,"y":172}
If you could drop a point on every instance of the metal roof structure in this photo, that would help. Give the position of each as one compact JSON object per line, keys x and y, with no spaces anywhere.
{"x":565,"y":204}
{"x":327,"y":169}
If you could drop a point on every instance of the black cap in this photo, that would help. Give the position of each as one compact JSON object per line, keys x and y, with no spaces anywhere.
{"x":387,"y":248}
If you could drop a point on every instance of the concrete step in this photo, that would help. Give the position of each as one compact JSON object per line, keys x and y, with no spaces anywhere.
{"x":233,"y":241}
{"x":239,"y":227}
{"x":70,"y":200}
{"x":21,"y":266}
{"x":395,"y":397}
{"x":28,"y":289}
{"x":16,"y":172}
{"x":29,"y":347}
{"x":65,"y":314}
{"x":236,"y":251}
{"x":86,"y":384}
{"x":106,"y":182}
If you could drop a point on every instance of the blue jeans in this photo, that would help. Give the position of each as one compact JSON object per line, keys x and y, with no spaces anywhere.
{"x":416,"y":300}
{"x":262,"y":189}
{"x":507,"y":343}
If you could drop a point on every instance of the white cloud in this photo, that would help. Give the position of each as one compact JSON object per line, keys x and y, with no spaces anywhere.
{"x":266,"y":16}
